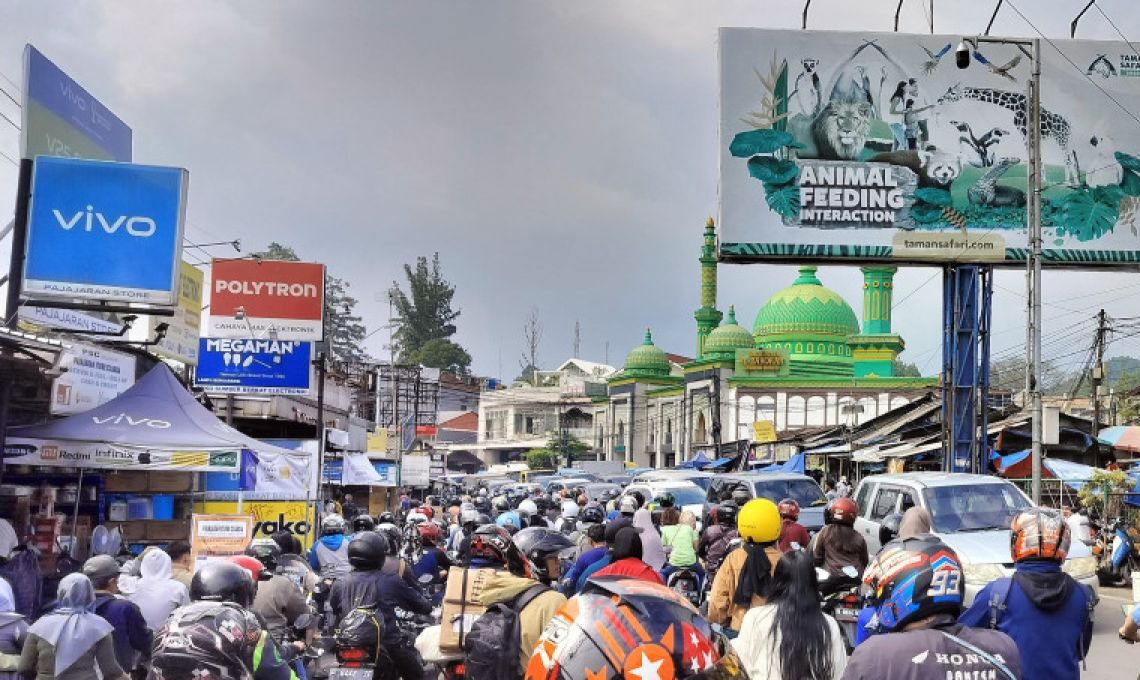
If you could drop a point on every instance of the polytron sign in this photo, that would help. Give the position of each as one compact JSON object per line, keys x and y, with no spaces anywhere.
{"x":267,"y":299}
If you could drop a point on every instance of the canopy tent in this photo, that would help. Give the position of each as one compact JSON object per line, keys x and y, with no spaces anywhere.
{"x":1020,"y":466}
{"x":793,"y":464}
{"x":156,"y":424}
{"x":696,"y":462}
{"x":1121,"y":437}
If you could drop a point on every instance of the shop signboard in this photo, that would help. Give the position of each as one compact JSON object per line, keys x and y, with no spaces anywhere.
{"x":251,"y":366}
{"x":67,"y":319}
{"x":267,"y":298}
{"x":61,"y":118}
{"x":185,"y":327}
{"x":764,"y":431}
{"x":101,"y":231}
{"x":216,"y":537}
{"x":92,"y":376}
{"x":766,"y":362}
{"x":875,"y":148}
{"x":270,"y":476}
{"x":269,"y":517}
{"x":414,"y":470}
{"x":92,"y":454}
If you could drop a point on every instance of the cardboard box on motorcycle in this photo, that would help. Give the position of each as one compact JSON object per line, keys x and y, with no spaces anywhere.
{"x":461,"y":604}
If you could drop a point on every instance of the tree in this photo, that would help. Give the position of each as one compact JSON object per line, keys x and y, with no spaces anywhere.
{"x":906,"y":370}
{"x":424,"y":314}
{"x":344,"y":331}
{"x":568,"y":447}
{"x":441,"y":353}
{"x":1092,"y":492}
{"x":1129,"y":409}
{"x":532,"y":336}
{"x":542,"y":459}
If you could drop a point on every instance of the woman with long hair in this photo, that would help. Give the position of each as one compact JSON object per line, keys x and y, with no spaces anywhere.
{"x":789,"y":637}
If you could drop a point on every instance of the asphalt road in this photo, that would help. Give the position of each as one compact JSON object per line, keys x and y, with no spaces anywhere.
{"x":1109,"y":657}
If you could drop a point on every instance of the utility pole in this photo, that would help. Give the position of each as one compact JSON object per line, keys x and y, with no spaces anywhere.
{"x":577,"y":338}
{"x":1033,"y":213}
{"x":1098,"y":372}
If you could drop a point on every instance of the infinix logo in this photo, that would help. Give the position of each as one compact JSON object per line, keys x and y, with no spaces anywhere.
{"x":91,"y":219}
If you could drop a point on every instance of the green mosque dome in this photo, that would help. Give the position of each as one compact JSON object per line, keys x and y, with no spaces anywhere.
{"x":646,"y":361}
{"x":730,"y":336}
{"x":806,"y":308}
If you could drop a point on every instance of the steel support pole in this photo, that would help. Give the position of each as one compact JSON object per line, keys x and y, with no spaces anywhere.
{"x":1034,"y":265}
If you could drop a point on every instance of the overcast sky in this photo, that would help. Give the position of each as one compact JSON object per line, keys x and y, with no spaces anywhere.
{"x":557,"y":154}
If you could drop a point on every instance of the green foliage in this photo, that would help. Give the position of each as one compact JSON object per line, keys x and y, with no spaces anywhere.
{"x":541,"y":459}
{"x":1092,"y":493}
{"x":1129,"y":409}
{"x":1128,"y":162}
{"x":934,"y":196}
{"x":1087,"y":214}
{"x":344,"y":330}
{"x":424,"y":314}
{"x":904,"y":369}
{"x":567,"y":444}
{"x":925,"y":213}
{"x":772,"y":170}
{"x":752,"y":142}
{"x":783,"y":200}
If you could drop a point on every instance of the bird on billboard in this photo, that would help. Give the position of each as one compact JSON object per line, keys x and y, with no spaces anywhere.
{"x":1004,"y":70}
{"x":931,"y":64}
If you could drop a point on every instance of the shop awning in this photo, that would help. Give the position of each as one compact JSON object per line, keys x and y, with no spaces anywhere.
{"x":154,"y":425}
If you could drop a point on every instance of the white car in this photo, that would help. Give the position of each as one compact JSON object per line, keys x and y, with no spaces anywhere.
{"x":970,"y":513}
{"x":687,"y":495}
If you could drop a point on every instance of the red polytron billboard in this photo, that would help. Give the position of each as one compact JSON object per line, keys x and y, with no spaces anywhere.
{"x":267,"y":299}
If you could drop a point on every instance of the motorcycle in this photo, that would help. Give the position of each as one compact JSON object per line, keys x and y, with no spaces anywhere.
{"x":686,"y":582}
{"x":843,"y":604}
{"x":1116,"y":554}
{"x":450,"y":664}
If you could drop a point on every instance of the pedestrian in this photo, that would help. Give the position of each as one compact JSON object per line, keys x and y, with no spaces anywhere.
{"x":351,"y":511}
{"x":829,"y":491}
{"x":1078,"y":524}
{"x":790,"y":636}
{"x":13,"y":632}
{"x":843,"y":488}
{"x":72,"y":642}
{"x":131,"y":635}
{"x":1041,"y":607}
{"x":916,"y":584}
{"x":627,"y":559}
{"x":743,"y":578}
{"x":182,"y":569}
{"x":650,"y":540}
{"x":157,"y":594}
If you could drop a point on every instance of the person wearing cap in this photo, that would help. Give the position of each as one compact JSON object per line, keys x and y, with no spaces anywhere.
{"x":627,"y":560}
{"x":131,"y":636}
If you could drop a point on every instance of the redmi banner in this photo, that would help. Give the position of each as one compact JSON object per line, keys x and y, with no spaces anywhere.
{"x":267,"y":299}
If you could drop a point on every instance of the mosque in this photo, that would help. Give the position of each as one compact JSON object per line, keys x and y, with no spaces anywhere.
{"x":806,"y":363}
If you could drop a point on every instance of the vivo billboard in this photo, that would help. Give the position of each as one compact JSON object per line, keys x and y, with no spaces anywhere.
{"x":101,"y":231}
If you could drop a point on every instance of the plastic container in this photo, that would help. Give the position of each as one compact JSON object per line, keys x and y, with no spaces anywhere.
{"x":1136,"y":586}
{"x":117,"y":511}
{"x":138,"y":508}
{"x":162,"y":507}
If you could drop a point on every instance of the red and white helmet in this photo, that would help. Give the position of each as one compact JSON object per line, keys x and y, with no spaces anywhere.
{"x":789,"y":509}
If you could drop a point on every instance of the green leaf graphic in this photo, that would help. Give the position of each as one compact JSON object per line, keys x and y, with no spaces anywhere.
{"x":1130,"y":183}
{"x":1128,"y":162}
{"x":753,"y":142}
{"x":785,"y":201}
{"x":1087,"y":219}
{"x":772,"y":170}
{"x":934,"y":196}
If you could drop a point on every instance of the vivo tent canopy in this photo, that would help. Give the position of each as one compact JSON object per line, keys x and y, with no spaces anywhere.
{"x":155,"y":425}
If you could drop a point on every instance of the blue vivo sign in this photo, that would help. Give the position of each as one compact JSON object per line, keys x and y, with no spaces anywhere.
{"x":237,"y":366}
{"x":61,"y":118}
{"x":104,"y":231}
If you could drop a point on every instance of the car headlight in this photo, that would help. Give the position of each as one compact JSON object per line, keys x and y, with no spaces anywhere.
{"x":1080,"y":567}
{"x":982,"y":572}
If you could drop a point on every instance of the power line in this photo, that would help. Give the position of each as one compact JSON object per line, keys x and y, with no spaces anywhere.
{"x":10,"y":159}
{"x":10,"y":121}
{"x":1116,"y":28}
{"x":14,"y":100}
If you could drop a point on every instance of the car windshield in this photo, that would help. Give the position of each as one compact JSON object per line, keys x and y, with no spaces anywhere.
{"x":803,"y":491}
{"x":975,"y":507}
{"x":595,"y":490}
{"x":684,"y":495}
{"x":702,"y":482}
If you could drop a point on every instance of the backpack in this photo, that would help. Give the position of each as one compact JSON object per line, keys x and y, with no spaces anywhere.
{"x":361,"y":628}
{"x":491,"y":650}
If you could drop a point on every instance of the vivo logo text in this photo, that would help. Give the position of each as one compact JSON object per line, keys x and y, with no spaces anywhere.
{"x":92,"y":220}
{"x":124,"y":419}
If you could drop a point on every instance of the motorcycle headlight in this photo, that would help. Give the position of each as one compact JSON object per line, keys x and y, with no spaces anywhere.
{"x":982,"y":572}
{"x":1080,"y":567}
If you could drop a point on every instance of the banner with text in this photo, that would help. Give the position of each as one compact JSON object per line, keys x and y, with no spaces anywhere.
{"x":216,"y":537}
{"x":93,"y":376}
{"x":243,"y":366}
{"x":267,"y":298}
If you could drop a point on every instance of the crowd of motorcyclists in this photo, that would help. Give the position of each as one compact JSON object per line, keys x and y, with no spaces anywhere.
{"x":628,"y":588}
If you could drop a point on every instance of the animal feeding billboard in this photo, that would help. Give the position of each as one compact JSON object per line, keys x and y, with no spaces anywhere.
{"x":877,"y":148}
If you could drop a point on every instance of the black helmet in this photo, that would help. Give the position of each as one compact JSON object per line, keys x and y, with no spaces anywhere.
{"x":386,"y":518}
{"x":592,"y":514}
{"x":362,"y":523}
{"x":639,"y":497}
{"x":666,"y":500}
{"x":266,"y":551}
{"x":368,"y":551}
{"x":391,"y":532}
{"x":222,"y":582}
{"x":726,"y":514}
{"x":501,"y":505}
{"x":332,"y":525}
{"x":101,"y":569}
{"x":740,"y":496}
{"x":889,"y":528}
{"x":483,"y":504}
{"x":538,"y":543}
{"x":289,"y":544}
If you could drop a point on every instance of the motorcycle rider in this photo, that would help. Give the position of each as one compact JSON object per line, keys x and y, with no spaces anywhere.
{"x":543,"y":547}
{"x":917,"y":585}
{"x":278,"y":601}
{"x":591,"y":515}
{"x":505,"y":517}
{"x":568,"y":522}
{"x":360,"y":524}
{"x":793,"y":535}
{"x":329,"y":556}
{"x":433,"y":561}
{"x":393,"y":564}
{"x":743,"y":578}
{"x":596,"y":535}
{"x":369,"y":586}
{"x":131,"y":636}
{"x":715,"y":539}
{"x":1040,"y":607}
{"x":216,"y":635}
{"x":838,"y":546}
{"x":627,"y":560}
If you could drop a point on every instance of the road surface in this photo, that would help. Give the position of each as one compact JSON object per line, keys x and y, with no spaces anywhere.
{"x":1109,"y":658}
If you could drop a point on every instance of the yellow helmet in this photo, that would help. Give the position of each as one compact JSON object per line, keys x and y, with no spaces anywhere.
{"x":759,"y":521}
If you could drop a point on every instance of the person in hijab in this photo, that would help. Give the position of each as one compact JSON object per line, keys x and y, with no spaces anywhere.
{"x":915,"y":521}
{"x":13,"y":631}
{"x":72,"y":642}
{"x":653,"y":551}
{"x":627,"y":560}
{"x":157,"y":593}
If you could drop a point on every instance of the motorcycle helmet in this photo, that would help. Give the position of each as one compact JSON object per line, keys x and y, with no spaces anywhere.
{"x":628,"y":505}
{"x":253,"y":565}
{"x":569,"y":509}
{"x":492,"y":543}
{"x":467,"y":517}
{"x":500,"y":504}
{"x":789,"y":509}
{"x":386,"y":518}
{"x":527,"y":507}
{"x":483,"y":505}
{"x":427,"y":511}
{"x":266,"y":551}
{"x":665,"y":500}
{"x":223,"y":581}
{"x":333,"y":525}
{"x":429,"y":533}
{"x":889,"y":528}
{"x":626,"y":629}
{"x":912,"y":579}
{"x":289,"y":544}
{"x":740,"y":496}
{"x":368,"y":551}
{"x":539,"y":544}
{"x":482,"y":493}
{"x":362,"y":523}
{"x":391,"y":533}
{"x":841,"y":511}
{"x":638,"y":497}
{"x":592,"y":514}
{"x":759,"y":521}
{"x":726,"y":514}
{"x":1039,"y":534}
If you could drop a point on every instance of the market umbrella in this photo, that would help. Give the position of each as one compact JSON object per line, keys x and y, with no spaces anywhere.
{"x":1121,"y":437}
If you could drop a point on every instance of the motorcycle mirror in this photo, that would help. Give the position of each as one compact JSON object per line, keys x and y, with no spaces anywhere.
{"x":821,"y":574}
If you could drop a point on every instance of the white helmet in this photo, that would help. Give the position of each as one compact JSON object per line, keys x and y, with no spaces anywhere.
{"x":528,"y":507}
{"x":628,"y":505}
{"x":569,"y":509}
